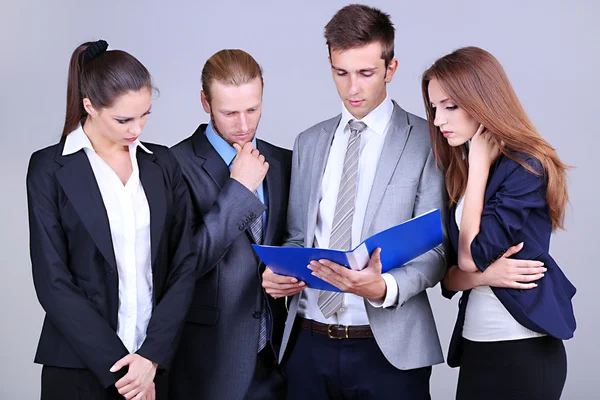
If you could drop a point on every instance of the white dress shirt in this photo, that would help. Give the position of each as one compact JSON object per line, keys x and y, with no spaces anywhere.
{"x":129,"y":220}
{"x":371,"y":143}
{"x":486,"y":318}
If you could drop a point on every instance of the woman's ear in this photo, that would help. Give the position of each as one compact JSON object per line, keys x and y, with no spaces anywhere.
{"x":88,"y":107}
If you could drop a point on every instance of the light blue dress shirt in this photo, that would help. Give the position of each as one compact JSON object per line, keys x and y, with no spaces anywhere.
{"x":227,"y":153}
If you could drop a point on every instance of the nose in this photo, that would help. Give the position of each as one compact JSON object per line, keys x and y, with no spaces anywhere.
{"x":439,"y":119}
{"x":353,"y":89}
{"x":136,"y":128}
{"x":243,"y":122}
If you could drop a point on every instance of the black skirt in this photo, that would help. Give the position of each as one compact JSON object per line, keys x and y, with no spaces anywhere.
{"x":527,"y":369}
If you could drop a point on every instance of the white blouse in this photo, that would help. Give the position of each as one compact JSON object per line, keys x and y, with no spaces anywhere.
{"x":486,"y":319}
{"x":129,"y":219}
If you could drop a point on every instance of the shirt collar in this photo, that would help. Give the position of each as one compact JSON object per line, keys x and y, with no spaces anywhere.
{"x":377,"y":120}
{"x":225,"y":150}
{"x":78,"y":140}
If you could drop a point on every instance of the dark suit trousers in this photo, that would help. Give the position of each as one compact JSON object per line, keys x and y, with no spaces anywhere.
{"x":81,"y":384}
{"x":320,"y":368}
{"x":267,"y":381}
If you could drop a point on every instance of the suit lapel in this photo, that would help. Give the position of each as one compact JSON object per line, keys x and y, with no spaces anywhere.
{"x":317,"y":169}
{"x":212,"y":162}
{"x":77,"y":180}
{"x":153,"y":183}
{"x":393,"y":146}
{"x":272,"y":187}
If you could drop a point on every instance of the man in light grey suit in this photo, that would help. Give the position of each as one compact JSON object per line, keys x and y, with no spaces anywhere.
{"x":355,"y":175}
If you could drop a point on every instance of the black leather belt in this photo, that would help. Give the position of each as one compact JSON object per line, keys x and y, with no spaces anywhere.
{"x":335,"y":331}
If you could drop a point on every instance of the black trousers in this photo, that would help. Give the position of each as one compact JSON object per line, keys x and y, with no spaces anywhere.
{"x":319,"y":368}
{"x":528,"y":369}
{"x":81,"y":384}
{"x":268,"y":381}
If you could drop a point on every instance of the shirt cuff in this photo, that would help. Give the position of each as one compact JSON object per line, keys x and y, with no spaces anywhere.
{"x":391,"y":297}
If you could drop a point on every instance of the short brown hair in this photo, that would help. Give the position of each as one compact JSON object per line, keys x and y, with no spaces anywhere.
{"x":229,"y":67}
{"x":358,"y":25}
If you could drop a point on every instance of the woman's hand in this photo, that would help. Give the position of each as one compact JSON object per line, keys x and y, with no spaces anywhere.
{"x":504,"y":272}
{"x":512,"y":273}
{"x":138,"y":383}
{"x":483,"y":150}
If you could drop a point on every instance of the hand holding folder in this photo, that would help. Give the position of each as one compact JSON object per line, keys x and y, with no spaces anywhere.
{"x":399,"y":245}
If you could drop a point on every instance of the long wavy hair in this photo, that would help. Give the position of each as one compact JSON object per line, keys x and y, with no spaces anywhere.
{"x":475,"y":81}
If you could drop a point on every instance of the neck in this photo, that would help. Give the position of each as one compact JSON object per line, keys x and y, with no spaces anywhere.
{"x":100,"y":143}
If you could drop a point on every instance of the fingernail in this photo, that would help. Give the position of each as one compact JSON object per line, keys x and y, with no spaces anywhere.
{"x":313,"y":274}
{"x":545,"y":269}
{"x":309,"y":267}
{"x":301,"y":284}
{"x":542,"y":274}
{"x":535,"y":284}
{"x":541,"y":263}
{"x":293,"y":280}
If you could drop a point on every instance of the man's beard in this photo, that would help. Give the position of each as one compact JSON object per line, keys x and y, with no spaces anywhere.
{"x":217,"y":130}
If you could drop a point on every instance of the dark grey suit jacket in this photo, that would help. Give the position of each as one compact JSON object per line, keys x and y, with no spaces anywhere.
{"x":217,"y":353}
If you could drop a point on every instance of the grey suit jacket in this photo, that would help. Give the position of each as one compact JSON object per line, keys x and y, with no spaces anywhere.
{"x":407,"y":183}
{"x":216,"y":357}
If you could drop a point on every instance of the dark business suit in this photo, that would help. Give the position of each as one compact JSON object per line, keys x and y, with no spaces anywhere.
{"x":217,"y":355}
{"x":516,"y":210}
{"x":74,"y":266}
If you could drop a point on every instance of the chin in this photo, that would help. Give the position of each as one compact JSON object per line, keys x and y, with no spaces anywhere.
{"x":456,"y":142}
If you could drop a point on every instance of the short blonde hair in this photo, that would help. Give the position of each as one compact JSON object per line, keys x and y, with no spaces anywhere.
{"x":229,"y":67}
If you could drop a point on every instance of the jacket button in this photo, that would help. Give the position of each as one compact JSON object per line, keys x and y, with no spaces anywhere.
{"x":241,"y":227}
{"x":256,"y":314}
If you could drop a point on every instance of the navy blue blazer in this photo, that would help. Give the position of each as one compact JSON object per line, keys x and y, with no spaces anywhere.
{"x":74,"y":266}
{"x":515,"y":211}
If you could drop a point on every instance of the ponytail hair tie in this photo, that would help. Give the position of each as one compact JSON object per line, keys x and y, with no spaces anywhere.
{"x":94,"y":50}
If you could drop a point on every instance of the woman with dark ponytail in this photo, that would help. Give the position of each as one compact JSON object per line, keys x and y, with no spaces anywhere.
{"x":110,"y":238}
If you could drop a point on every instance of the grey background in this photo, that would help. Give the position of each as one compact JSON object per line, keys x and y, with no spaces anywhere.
{"x":550,"y":50}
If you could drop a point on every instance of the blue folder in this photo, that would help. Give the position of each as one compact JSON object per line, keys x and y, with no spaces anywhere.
{"x":398,"y":244}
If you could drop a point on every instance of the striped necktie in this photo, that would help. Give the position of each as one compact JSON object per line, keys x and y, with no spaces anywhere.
{"x":341,"y":231}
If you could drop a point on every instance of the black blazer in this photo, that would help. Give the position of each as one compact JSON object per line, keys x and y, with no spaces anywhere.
{"x":74,"y":267}
{"x":217,"y":352}
{"x":515,"y":211}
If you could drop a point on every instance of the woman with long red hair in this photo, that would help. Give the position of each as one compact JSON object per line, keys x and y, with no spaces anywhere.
{"x":507,"y":194}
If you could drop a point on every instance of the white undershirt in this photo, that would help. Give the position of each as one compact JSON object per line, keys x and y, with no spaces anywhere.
{"x":371,"y":143}
{"x":129,"y":220}
{"x":486,"y":319}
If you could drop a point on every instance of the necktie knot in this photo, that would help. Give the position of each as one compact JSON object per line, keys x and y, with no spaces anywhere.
{"x":356,"y":126}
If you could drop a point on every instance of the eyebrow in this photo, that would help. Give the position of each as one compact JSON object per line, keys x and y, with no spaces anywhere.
{"x":442,"y":101}
{"x":224,"y":110}
{"x":360,"y":70}
{"x":120,"y":117}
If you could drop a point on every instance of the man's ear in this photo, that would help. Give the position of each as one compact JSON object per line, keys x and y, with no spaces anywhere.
{"x":390,"y":70}
{"x":205,"y":103}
